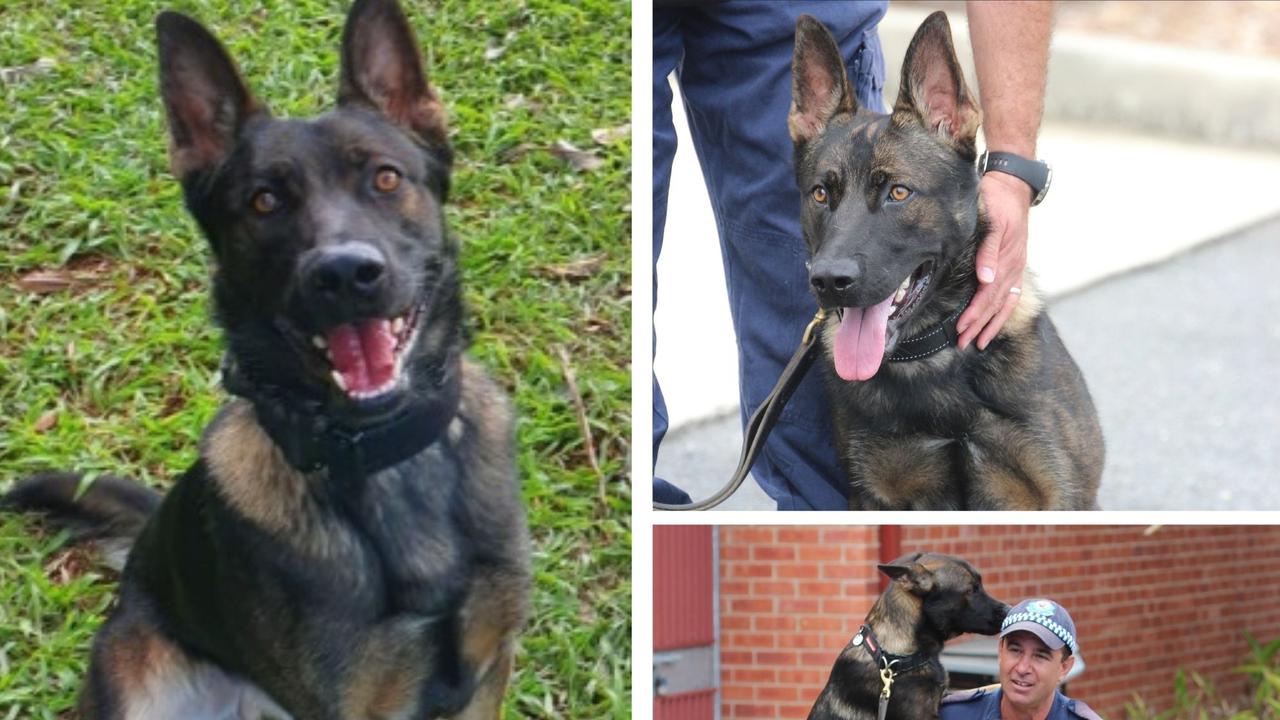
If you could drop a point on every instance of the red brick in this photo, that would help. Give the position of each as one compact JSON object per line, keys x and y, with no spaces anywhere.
{"x":821,"y":553}
{"x":798,"y":570}
{"x":843,"y":572}
{"x":750,"y":711}
{"x":793,"y":534}
{"x":819,"y":589}
{"x":746,"y":640}
{"x":802,"y":641}
{"x":777,"y":693}
{"x":786,"y":659}
{"x":799,"y":605}
{"x":763,"y":605}
{"x":783,"y":588}
{"x":751,"y":570}
{"x":773,"y":552}
{"x":770,"y":622}
{"x":753,"y":675}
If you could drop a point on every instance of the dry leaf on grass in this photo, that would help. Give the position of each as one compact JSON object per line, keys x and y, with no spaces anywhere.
{"x":42,"y":282}
{"x":608,"y":136}
{"x":579,"y":269}
{"x":46,"y":421}
{"x":580,"y":160}
{"x":39,"y":67}
{"x":512,"y":154}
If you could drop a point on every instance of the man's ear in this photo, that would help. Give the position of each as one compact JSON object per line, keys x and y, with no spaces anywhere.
{"x":933,"y":93}
{"x":1067,"y":663}
{"x":383,"y":70}
{"x":819,"y":82}
{"x":205,"y":100}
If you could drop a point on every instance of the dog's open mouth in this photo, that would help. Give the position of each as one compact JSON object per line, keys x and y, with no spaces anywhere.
{"x":367,"y":357}
{"x":910,"y":291}
{"x":859,"y":342}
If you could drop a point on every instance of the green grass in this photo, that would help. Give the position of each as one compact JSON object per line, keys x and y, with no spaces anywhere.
{"x":123,"y":362}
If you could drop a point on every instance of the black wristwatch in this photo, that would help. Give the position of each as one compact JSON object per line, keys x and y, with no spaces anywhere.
{"x":1035,"y":173}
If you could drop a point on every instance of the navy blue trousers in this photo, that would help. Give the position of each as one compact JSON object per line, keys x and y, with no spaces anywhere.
{"x":733,"y":64}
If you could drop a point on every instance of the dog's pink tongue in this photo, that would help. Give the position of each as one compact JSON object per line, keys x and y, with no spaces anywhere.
{"x":859,"y":341}
{"x":363,"y":353}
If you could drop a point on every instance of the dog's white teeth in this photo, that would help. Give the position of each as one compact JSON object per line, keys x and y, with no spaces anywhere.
{"x":397,"y":325}
{"x":337,"y":380}
{"x":319,"y":342}
{"x":902,"y":291}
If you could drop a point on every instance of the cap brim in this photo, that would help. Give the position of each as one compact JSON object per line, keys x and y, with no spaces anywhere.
{"x":1045,"y":634}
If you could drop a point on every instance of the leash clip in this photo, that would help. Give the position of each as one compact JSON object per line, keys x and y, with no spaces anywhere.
{"x":813,"y":324}
{"x":886,"y":685}
{"x":886,"y":678}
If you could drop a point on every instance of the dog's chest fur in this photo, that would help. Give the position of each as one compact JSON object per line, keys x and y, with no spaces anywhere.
{"x":398,"y":538}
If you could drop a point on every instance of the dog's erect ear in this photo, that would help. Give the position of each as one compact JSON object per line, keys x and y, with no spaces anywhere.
{"x":204,"y":98}
{"x":382,"y":70}
{"x":915,"y":578}
{"x":819,"y":82}
{"x":933,"y":91}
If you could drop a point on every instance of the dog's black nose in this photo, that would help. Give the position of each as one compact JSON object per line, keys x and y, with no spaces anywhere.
{"x":835,"y":275}
{"x":351,"y":271}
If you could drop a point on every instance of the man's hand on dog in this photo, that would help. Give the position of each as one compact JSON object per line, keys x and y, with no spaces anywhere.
{"x":1002,"y":257}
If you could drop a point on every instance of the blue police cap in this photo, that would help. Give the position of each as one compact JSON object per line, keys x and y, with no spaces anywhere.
{"x":1045,"y":619}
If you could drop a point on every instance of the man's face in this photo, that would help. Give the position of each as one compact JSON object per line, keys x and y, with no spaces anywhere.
{"x":1030,"y":671}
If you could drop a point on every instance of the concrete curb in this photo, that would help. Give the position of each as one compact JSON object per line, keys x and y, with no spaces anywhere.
{"x":1171,"y":91}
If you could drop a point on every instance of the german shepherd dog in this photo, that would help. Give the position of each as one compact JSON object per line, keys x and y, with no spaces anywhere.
{"x":350,"y":542}
{"x":932,"y":599}
{"x":891,"y":218}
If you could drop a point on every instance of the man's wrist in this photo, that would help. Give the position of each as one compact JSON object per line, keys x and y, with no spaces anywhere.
{"x":1014,"y":185}
{"x":1035,"y":175}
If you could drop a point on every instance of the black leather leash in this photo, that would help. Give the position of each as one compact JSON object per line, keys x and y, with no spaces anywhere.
{"x":941,"y":336}
{"x":765,"y":416}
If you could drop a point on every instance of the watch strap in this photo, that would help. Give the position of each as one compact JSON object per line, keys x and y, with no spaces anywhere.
{"x":1035,"y":173}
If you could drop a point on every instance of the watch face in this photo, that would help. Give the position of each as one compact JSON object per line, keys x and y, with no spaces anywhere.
{"x":1048,"y":178}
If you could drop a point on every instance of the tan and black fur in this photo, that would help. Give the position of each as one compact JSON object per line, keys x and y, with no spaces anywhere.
{"x":933,"y":598}
{"x":258,"y":590}
{"x":1012,"y":427}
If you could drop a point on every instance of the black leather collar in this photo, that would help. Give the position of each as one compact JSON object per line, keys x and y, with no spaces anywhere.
{"x":931,"y":341}
{"x":311,"y":441}
{"x":897,"y":664}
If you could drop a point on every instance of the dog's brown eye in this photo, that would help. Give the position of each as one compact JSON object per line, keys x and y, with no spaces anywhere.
{"x":387,"y":179}
{"x":265,"y":202}
{"x":820,"y":195}
{"x":898,"y":193}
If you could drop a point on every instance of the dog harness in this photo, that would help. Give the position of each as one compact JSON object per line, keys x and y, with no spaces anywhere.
{"x":890,"y":665}
{"x":312,"y":441}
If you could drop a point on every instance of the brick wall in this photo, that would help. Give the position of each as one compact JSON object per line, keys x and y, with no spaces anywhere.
{"x":1144,"y":603}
